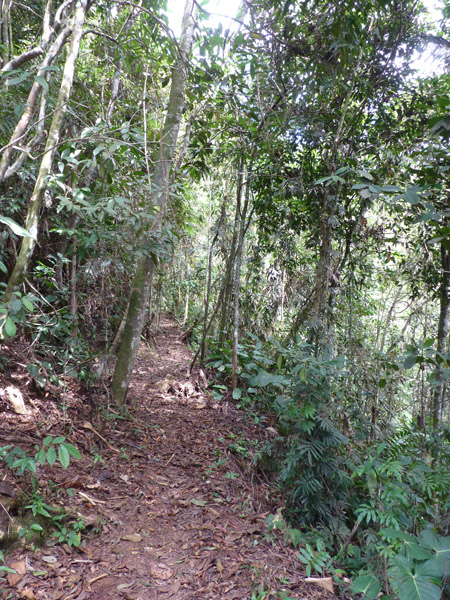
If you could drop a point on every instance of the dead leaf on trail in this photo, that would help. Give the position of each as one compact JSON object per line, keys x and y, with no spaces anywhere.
{"x":219,"y":565}
{"x":14,"y":395}
{"x":131,"y":537}
{"x":7,"y":489}
{"x":20,"y":569}
{"x":160,"y":571}
{"x":27,"y":594}
{"x":50,"y":559}
{"x":325,"y":583}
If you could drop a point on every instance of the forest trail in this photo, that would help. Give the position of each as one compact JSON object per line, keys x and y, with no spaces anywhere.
{"x":177,"y":512}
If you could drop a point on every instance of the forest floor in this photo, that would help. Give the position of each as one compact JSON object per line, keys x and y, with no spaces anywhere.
{"x":173,"y":506}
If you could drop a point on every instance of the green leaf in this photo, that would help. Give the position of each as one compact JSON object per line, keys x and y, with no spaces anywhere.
{"x":18,"y":79}
{"x":3,"y":268}
{"x":412,"y":581}
{"x":40,"y":456}
{"x":41,"y":80}
{"x":441,"y":546}
{"x":390,"y":188}
{"x":237,"y":393}
{"x":10,"y":327}
{"x":64,"y":456}
{"x":418,"y":552}
{"x":72,"y":450}
{"x":28,"y":304}
{"x":36,"y":527}
{"x":264,"y":378}
{"x":51,"y":456}
{"x":367,"y":585}
{"x":17,"y":229}
{"x":395,"y":534}
{"x":364,"y":174}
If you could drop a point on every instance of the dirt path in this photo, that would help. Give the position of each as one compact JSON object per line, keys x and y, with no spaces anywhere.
{"x":177,"y":512}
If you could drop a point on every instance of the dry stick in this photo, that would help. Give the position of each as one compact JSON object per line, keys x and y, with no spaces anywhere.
{"x":350,"y":537}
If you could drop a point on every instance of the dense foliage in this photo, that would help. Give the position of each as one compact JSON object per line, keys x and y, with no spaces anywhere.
{"x":282,"y":188}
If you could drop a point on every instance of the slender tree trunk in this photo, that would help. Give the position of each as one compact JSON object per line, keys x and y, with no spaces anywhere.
{"x":320,"y":298}
{"x":137,"y":311}
{"x":32,"y":220}
{"x":5,"y":41}
{"x":229,"y":270}
{"x":209,"y":276}
{"x":443,"y":328}
{"x":21,"y":128}
{"x":237,"y":277}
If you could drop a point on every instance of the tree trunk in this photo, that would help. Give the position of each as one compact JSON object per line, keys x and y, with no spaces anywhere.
{"x":228,"y":281}
{"x":5,"y":42}
{"x":320,"y":298}
{"x":237,"y":277}
{"x":443,"y":327}
{"x":141,"y":287}
{"x":20,"y":130}
{"x":32,"y":220}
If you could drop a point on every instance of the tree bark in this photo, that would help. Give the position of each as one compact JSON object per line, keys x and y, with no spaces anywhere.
{"x":32,"y":220}
{"x":443,"y":328}
{"x":237,"y":277}
{"x":21,"y":128}
{"x":137,"y":311}
{"x":229,"y":270}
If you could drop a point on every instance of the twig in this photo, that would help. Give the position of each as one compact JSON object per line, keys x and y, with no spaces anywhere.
{"x":91,"y":581}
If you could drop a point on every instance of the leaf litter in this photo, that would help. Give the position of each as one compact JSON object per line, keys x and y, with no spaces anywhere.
{"x":163,"y":519}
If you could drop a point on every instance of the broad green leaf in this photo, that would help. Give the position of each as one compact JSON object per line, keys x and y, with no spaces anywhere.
{"x":237,"y":393}
{"x":10,"y":327}
{"x":367,"y":585}
{"x":51,"y":456}
{"x":72,"y":450}
{"x":17,"y":229}
{"x":264,"y":378}
{"x":411,"y":581}
{"x":64,"y":456}
{"x":418,"y":552}
{"x":441,"y":546}
{"x":394,"y":534}
{"x":28,"y":304}
{"x":40,"y":456}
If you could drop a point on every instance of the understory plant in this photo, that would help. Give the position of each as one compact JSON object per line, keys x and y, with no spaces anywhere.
{"x":42,"y":516}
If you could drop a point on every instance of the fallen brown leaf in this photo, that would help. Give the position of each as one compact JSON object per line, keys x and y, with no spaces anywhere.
{"x":131,"y":537}
{"x":20,"y":569}
{"x":326,"y":583}
{"x":28,"y":594}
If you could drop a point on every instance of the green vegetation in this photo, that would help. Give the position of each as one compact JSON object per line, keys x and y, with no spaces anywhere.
{"x":281,"y":188}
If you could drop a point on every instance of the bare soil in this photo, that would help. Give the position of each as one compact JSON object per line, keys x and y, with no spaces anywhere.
{"x":173,"y":505}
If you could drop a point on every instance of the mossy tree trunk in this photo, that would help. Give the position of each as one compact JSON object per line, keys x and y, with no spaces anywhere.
{"x":140,"y":294}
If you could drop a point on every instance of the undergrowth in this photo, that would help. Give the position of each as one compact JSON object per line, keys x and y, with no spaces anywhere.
{"x":372,"y":505}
